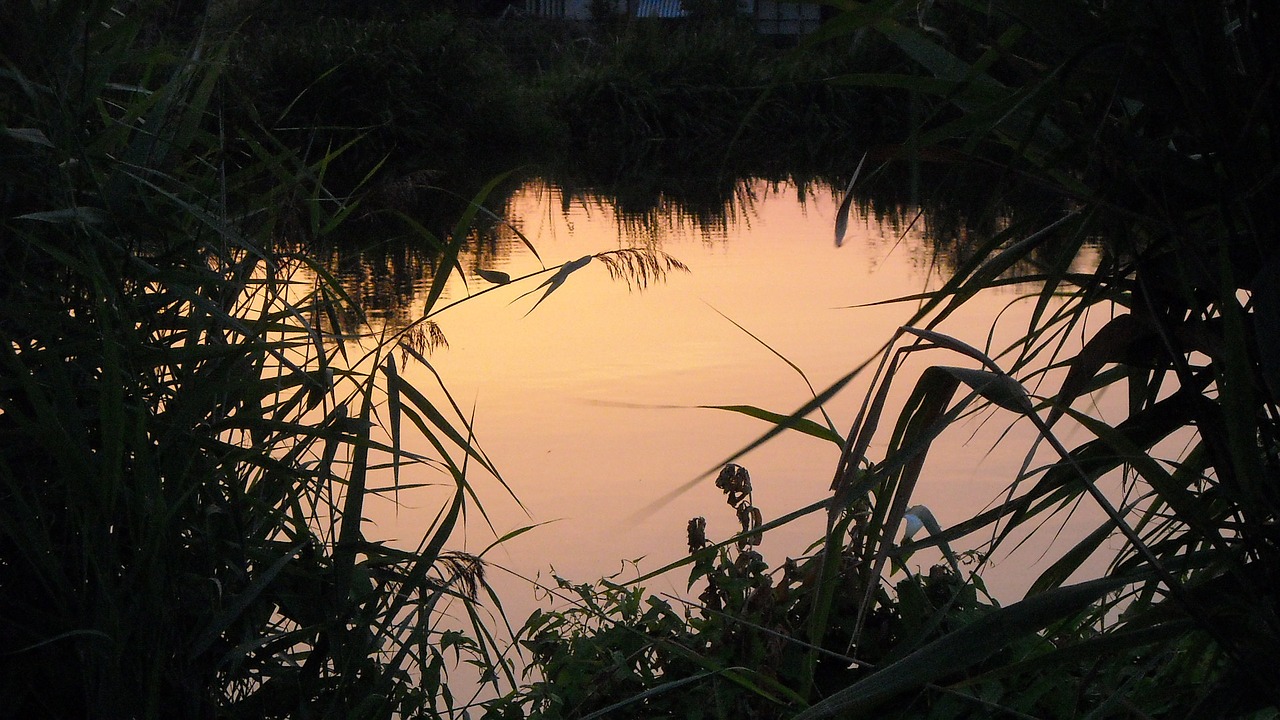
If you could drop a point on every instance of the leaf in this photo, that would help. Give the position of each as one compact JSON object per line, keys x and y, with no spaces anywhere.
{"x":349,"y":530}
{"x":807,"y":408}
{"x":652,"y":691}
{"x":830,"y":425}
{"x":429,"y":413}
{"x":975,"y":91}
{"x":784,"y":422}
{"x":1110,"y":344}
{"x":393,"y":411}
{"x":1071,"y":560}
{"x":923,"y":419}
{"x":449,"y":251}
{"x":31,"y":135}
{"x":998,"y":388}
{"x":950,"y":343}
{"x":842,"y":215}
{"x":220,"y":622}
{"x":86,"y":215}
{"x":554,"y":282}
{"x":496,"y":277}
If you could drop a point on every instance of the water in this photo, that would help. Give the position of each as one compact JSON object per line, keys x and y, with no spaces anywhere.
{"x":589,"y":404}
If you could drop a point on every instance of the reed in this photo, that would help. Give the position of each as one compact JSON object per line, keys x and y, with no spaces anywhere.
{"x":196,"y":417}
{"x":1174,"y":319}
{"x":1148,"y":132}
{"x":189,"y":436}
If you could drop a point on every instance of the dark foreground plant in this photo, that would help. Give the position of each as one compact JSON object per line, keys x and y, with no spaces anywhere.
{"x":187,"y":443}
{"x":193,"y":421}
{"x":1153,"y":126}
{"x":742,"y":648}
{"x":1150,"y":128}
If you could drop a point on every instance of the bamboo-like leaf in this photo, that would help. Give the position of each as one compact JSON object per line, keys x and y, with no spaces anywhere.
{"x":991,"y":260}
{"x":418,"y":401}
{"x":923,"y":418}
{"x":1092,"y":649}
{"x":430,"y":550}
{"x":852,"y":19}
{"x":1063,"y":567}
{"x":1110,"y":344}
{"x":557,"y":279}
{"x":974,"y":89}
{"x":1000,"y":389}
{"x":95,"y":634}
{"x":34,"y":136}
{"x":658,"y":689}
{"x":221,"y":621}
{"x":1171,"y":489}
{"x":867,"y":421}
{"x":448,"y":260}
{"x":350,"y":531}
{"x":954,"y":344}
{"x":85,"y":215}
{"x":393,"y":413}
{"x":785,"y":422}
{"x":496,"y":277}
{"x":804,"y":410}
{"x":1093,"y":459}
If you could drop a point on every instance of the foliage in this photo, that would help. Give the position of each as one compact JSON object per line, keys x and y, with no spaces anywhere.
{"x":424,"y":91}
{"x":193,"y":424}
{"x":740,"y":651}
{"x":706,"y":87}
{"x":1148,"y":130}
{"x":429,"y":88}
{"x":187,"y":445}
{"x":187,"y":442}
{"x":1151,"y":125}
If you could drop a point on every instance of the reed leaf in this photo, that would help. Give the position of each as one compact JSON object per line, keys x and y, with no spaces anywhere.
{"x":185,"y":489}
{"x":842,"y":213}
{"x":494,"y":276}
{"x":557,"y":279}
{"x":830,"y":424}
{"x":394,"y":413}
{"x":786,"y":422}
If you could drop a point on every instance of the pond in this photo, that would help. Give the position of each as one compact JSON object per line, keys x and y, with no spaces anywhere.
{"x":595,"y":404}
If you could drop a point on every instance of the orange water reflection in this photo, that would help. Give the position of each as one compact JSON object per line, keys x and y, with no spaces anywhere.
{"x":587,"y":405}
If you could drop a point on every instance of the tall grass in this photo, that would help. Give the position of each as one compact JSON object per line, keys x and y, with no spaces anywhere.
{"x":194,"y":418}
{"x":1148,"y":130}
{"x":187,"y":441}
{"x":1153,"y":129}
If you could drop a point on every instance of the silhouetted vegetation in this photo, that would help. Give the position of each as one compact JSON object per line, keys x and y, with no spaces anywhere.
{"x":1148,"y":128}
{"x":191,"y":419}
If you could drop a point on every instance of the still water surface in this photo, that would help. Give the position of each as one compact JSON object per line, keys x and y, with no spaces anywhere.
{"x":588,"y":404}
